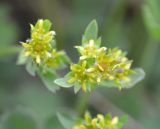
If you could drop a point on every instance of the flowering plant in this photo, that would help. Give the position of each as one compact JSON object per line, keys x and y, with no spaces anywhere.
{"x":40,"y":56}
{"x":99,"y":66}
{"x":96,"y":66}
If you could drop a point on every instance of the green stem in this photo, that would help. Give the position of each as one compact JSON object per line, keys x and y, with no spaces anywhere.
{"x":82,"y":103}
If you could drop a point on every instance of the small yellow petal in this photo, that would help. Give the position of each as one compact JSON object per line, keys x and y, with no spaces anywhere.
{"x":27,"y":53}
{"x":94,"y":122}
{"x":100,"y":68}
{"x":38,"y":60}
{"x":115,"y":120}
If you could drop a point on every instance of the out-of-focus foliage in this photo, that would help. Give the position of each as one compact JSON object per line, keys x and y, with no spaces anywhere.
{"x":152,"y":17}
{"x":8,"y":33}
{"x":31,"y":110}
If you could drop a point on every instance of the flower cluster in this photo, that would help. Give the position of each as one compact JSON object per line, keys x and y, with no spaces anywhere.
{"x":100,"y":122}
{"x":97,"y":64}
{"x":40,"y":47}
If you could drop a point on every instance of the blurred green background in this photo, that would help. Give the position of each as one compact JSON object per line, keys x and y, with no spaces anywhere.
{"x":132,"y":25}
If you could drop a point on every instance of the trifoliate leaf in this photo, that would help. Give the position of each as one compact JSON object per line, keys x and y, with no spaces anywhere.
{"x":63,"y":82}
{"x":47,"y":78}
{"x":91,"y":31}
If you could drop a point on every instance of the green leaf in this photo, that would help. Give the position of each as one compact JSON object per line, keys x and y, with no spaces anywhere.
{"x":21,"y":58}
{"x":19,"y":120}
{"x":135,"y":78}
{"x":98,"y":42}
{"x":65,"y":59}
{"x":109,"y":84}
{"x":63,"y":82}
{"x":77,"y":87}
{"x":91,"y":31}
{"x":66,"y":120}
{"x":31,"y":67}
{"x":48,"y":80}
{"x":84,"y":40}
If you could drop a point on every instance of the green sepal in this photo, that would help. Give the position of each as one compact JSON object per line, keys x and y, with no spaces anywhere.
{"x":90,"y":62}
{"x":47,"y":25}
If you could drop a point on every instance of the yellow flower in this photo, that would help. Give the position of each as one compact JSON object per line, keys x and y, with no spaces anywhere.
{"x":90,"y":50}
{"x":39,"y":46}
{"x":99,"y":122}
{"x":97,"y":64}
{"x":82,"y":75}
{"x":114,"y":66}
{"x":56,"y":59}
